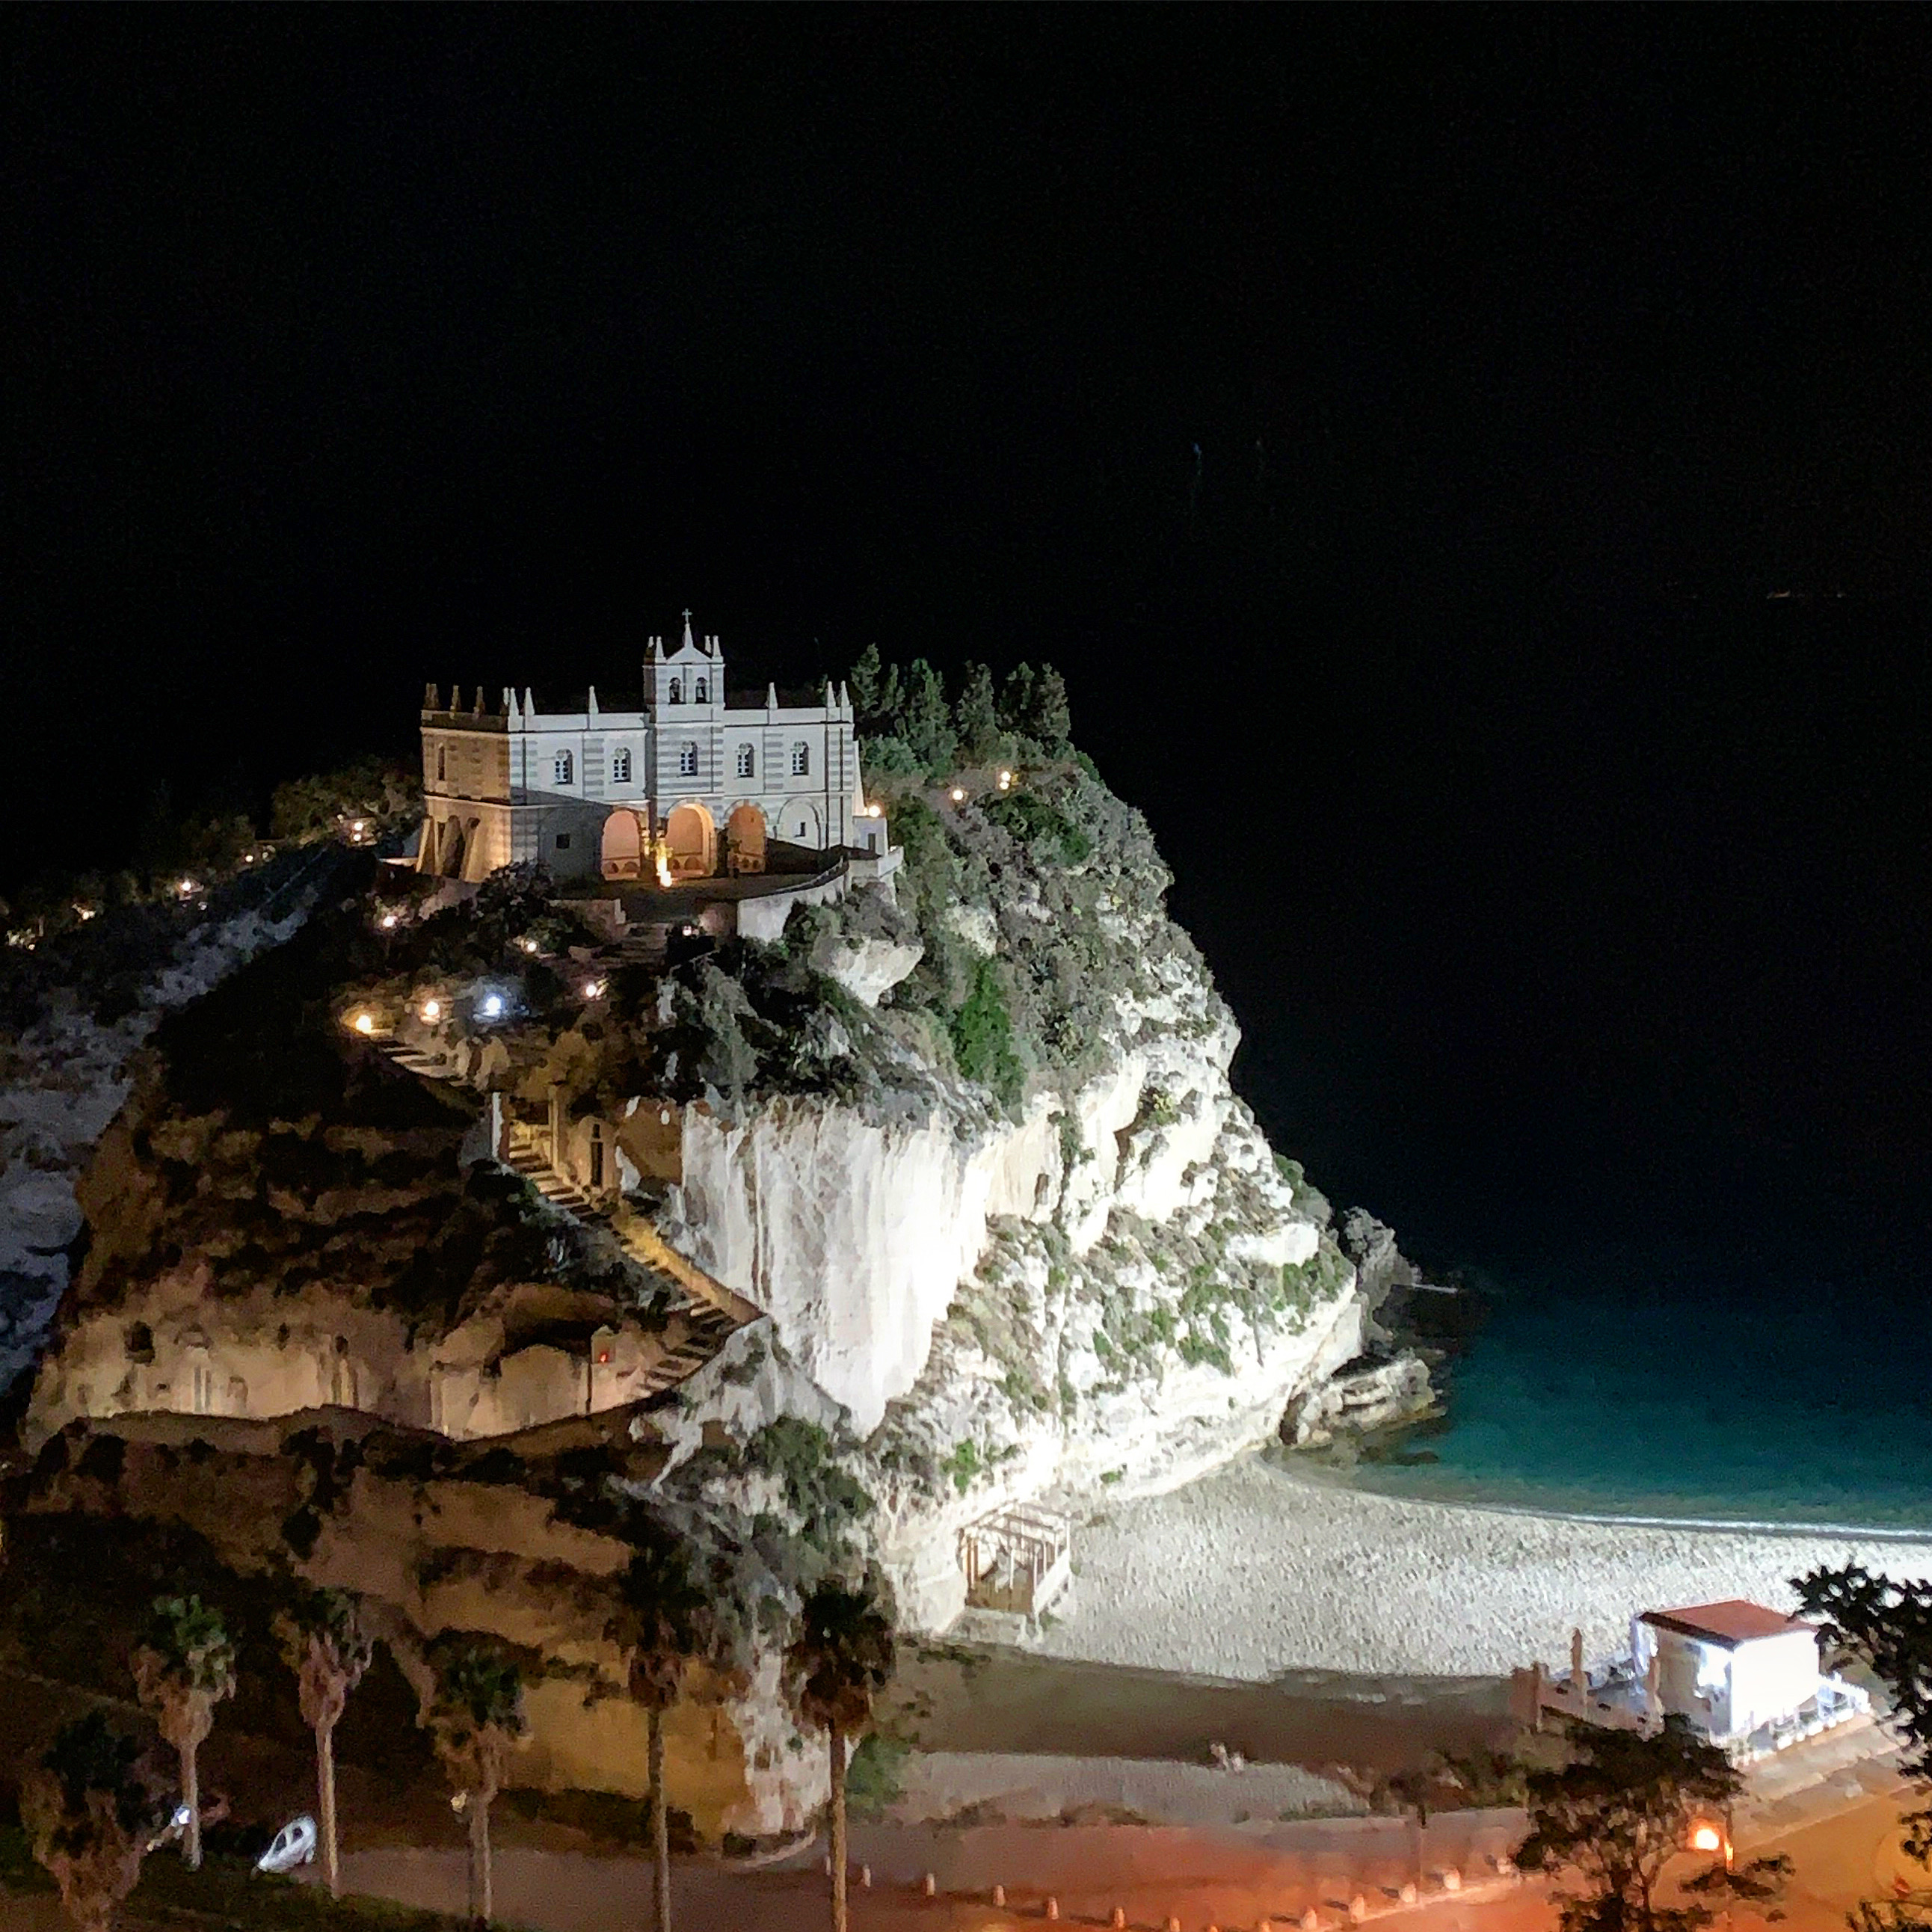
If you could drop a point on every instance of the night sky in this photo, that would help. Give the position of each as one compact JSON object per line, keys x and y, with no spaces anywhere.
{"x":1397,"y":425}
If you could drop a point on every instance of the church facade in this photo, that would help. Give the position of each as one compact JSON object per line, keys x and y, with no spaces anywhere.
{"x":684,"y":786}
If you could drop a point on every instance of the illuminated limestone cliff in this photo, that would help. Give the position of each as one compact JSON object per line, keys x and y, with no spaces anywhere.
{"x":940,"y":1203}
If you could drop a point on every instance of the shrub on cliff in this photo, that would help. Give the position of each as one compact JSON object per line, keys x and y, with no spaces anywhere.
{"x":982,"y":1036}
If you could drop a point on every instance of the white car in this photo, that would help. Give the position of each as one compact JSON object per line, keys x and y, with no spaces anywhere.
{"x":294,"y":1845}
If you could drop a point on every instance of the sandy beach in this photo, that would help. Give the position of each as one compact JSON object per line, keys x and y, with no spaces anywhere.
{"x":1254,"y":1572}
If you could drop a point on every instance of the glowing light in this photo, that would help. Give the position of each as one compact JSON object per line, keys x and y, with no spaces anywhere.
{"x":593,"y":989}
{"x":603,"y":1355}
{"x":432,"y":1011}
{"x":493,"y":1005}
{"x":528,"y":945}
{"x":248,"y":858}
{"x":1005,"y":779}
{"x":1706,"y":1837}
{"x":186,"y":887}
{"x":84,"y":913}
{"x":664,"y":871}
{"x":958,"y":794}
{"x":388,"y":921}
{"x":359,"y":826}
{"x":364,"y":1023}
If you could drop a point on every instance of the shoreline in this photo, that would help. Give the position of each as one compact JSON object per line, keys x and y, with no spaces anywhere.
{"x":1257,"y":1572}
{"x":1326,"y":1476}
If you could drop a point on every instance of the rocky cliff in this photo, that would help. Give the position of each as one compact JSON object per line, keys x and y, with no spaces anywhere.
{"x":967,"y":1143}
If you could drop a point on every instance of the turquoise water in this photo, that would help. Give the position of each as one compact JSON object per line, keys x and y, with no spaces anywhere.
{"x":1625,"y":1384}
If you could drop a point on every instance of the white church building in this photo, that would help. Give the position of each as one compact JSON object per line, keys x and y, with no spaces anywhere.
{"x":687,"y":785}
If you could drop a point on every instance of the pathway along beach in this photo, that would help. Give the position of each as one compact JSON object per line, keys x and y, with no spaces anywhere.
{"x":1255,"y":1571}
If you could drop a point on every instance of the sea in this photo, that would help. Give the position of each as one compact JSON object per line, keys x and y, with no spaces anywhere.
{"x":1679,"y":1386}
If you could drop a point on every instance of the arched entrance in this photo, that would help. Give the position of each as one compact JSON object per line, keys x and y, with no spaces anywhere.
{"x":693,"y":840}
{"x":745,"y":838}
{"x":623,"y":845}
{"x":800,"y":824}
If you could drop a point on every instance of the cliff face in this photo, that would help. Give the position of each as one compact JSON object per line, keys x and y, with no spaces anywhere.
{"x":1029,"y":1237}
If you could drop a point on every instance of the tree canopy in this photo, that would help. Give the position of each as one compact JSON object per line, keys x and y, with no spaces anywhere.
{"x":1619,"y":1808}
{"x":1886,"y":1623}
{"x":843,"y":1654}
{"x":908,"y":728}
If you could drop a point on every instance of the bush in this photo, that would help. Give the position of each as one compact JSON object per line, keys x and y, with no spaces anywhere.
{"x":982,"y":1036}
{"x":875,"y":1778}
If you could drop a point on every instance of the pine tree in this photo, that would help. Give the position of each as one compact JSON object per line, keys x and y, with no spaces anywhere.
{"x":1016,"y":701}
{"x":926,"y":720}
{"x":866,"y":681}
{"x":979,"y":717}
{"x":1052,"y":717}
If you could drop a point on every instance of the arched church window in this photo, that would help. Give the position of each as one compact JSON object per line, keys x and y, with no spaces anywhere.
{"x":566,"y":766}
{"x":703,"y":693}
{"x":801,"y":761}
{"x":687,"y":761}
{"x":748,"y":764}
{"x":442,"y":763}
{"x":677,"y":691}
{"x":620,"y":766}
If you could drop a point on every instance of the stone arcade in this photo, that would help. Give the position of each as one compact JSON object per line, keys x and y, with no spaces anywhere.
{"x":684,"y":787}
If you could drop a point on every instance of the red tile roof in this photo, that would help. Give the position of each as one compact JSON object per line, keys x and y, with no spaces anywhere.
{"x":1732,"y":1622}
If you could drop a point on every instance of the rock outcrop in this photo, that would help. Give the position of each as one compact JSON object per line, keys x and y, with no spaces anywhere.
{"x":82,"y":1013}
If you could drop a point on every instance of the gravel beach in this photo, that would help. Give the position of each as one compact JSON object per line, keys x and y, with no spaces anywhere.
{"x":1255,"y":1571}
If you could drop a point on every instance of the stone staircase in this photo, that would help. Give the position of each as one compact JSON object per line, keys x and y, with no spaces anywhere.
{"x":411,"y":1060}
{"x":708,"y":1325}
{"x":708,"y":1322}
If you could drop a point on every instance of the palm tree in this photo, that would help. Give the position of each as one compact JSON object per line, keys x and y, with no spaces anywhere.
{"x":666,"y":1622}
{"x":840,"y":1658}
{"x":474,"y":1715}
{"x":184,"y":1669}
{"x":322,"y":1635}
{"x":89,"y":1814}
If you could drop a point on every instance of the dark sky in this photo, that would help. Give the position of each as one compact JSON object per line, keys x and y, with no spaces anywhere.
{"x":1395,"y":424}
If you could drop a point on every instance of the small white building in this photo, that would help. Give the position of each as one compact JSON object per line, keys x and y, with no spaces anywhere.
{"x":1731,"y":1668}
{"x":604,"y":793}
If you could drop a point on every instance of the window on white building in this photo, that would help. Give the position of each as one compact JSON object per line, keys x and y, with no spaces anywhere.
{"x":565,"y":766}
{"x":703,"y":694}
{"x":801,"y":761}
{"x":563,"y":842}
{"x":687,"y":761}
{"x":677,"y":691}
{"x":748,"y":765}
{"x":620,"y":766}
